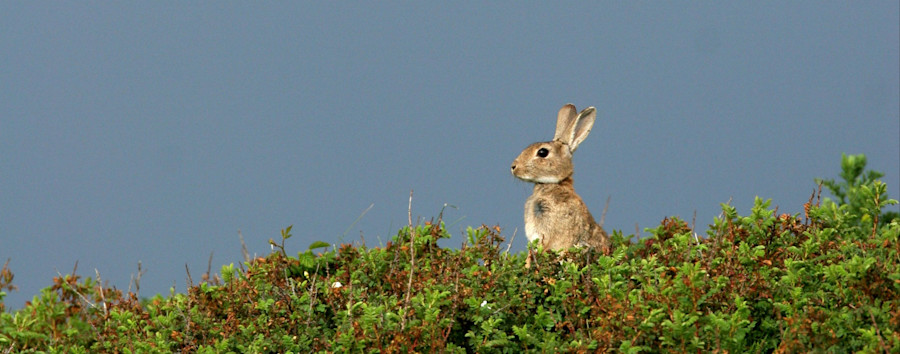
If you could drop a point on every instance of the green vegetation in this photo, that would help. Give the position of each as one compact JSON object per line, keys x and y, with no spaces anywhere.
{"x":827,"y":279}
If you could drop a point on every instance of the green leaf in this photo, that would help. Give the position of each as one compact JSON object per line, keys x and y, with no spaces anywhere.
{"x":319,"y":244}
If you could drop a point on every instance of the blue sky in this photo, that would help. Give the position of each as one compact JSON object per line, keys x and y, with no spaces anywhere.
{"x":156,"y":131}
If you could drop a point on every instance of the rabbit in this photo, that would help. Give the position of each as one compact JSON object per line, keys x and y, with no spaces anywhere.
{"x":554,"y":214}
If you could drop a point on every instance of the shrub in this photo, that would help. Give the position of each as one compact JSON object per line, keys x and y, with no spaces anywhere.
{"x":827,"y":280}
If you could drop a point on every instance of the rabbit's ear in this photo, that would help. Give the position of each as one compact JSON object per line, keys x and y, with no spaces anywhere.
{"x":581,"y":127}
{"x":564,"y":123}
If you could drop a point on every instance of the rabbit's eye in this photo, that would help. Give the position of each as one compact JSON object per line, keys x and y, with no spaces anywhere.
{"x":543,"y":152}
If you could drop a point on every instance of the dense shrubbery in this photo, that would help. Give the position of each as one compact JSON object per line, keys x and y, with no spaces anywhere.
{"x":828,"y":279}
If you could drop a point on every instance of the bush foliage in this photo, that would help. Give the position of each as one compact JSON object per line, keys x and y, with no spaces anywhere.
{"x":825,"y":279}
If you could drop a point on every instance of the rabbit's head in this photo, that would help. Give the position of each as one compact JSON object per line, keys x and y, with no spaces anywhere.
{"x":551,"y":161}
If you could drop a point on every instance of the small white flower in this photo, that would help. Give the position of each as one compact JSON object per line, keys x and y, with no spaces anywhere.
{"x":336,"y":285}
{"x":483,"y":303}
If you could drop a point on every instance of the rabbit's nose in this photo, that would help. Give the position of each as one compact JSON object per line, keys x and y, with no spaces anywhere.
{"x":512,"y":168}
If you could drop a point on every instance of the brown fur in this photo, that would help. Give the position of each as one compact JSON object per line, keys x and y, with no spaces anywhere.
{"x":554,"y":213}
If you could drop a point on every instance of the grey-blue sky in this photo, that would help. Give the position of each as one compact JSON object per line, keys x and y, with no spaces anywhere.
{"x":155,"y":131}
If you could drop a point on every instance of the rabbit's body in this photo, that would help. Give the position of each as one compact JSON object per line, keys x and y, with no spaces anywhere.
{"x":551,"y":216}
{"x":554,"y":213}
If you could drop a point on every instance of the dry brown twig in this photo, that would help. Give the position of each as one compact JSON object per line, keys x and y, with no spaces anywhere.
{"x":412,"y":255}
{"x":605,"y":208}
